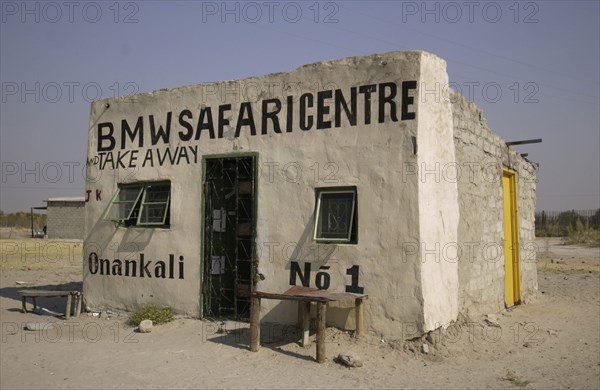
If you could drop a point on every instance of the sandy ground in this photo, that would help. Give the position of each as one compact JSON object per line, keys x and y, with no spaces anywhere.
{"x":553,"y":342}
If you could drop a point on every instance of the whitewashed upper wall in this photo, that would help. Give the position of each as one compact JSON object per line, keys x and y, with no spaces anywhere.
{"x":368,"y":155}
{"x":397,"y":128}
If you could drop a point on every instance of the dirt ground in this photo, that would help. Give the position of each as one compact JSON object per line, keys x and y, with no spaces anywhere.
{"x":553,"y":342}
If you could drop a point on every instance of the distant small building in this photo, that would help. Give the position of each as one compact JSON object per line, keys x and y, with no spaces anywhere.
{"x":65,"y":217}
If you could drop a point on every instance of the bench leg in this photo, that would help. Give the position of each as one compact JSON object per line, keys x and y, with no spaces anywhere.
{"x":35,"y":306}
{"x":321,"y":314}
{"x":24,"y":304}
{"x":305,"y":312}
{"x":254,"y":324}
{"x":77,"y":304}
{"x":68,"y":311}
{"x":360,"y":317}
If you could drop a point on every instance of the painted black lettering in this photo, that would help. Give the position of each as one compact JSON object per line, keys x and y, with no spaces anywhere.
{"x":306,"y":101}
{"x":117,"y":267}
{"x":138,"y":132}
{"x":270,"y":115}
{"x":367,"y":90}
{"x":149,"y":157}
{"x":171,"y":266}
{"x":182,"y":155}
{"x":387,"y":100}
{"x":133,"y":158}
{"x":296,"y":272}
{"x":245,"y":118}
{"x":340,"y":103}
{"x":161,"y":133}
{"x":353,"y":287}
{"x":144,"y":267}
{"x":289,"y":121}
{"x":222,"y":120}
{"x":130,"y":271}
{"x":120,"y":156}
{"x":407,"y":100}
{"x":188,"y":126}
{"x":93,"y":263}
{"x":108,"y":158}
{"x":323,"y":279}
{"x":205,"y":122}
{"x":159,"y":269}
{"x":104,"y":267}
{"x":194,"y":151}
{"x":167,"y":154}
{"x":180,"y":267}
{"x":106,"y":137}
{"x":323,"y":109}
{"x":102,"y":156}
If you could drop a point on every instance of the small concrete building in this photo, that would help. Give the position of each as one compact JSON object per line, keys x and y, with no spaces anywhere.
{"x":365,"y":175}
{"x":65,"y":217}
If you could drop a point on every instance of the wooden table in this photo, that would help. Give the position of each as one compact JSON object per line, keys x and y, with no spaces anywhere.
{"x":52,"y":293}
{"x":305,"y":296}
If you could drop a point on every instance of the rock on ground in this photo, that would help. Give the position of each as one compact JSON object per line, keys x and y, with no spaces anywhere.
{"x":350,"y":359}
{"x":491,"y":320}
{"x":36,"y":326}
{"x":425,"y":348}
{"x":145,"y":326}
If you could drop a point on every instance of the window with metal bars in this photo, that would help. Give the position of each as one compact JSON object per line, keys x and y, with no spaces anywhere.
{"x":335,"y":215}
{"x":141,"y":204}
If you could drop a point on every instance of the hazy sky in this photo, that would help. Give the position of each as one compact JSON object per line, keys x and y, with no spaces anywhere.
{"x":533,"y":67}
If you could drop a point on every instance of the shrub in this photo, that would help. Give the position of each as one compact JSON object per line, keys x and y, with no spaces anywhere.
{"x":569,"y":218}
{"x":151,"y":312}
{"x":582,"y":235}
{"x":550,"y":230}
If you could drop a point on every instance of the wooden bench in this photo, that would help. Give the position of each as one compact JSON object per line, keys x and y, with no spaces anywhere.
{"x":33,"y":294}
{"x":305,"y":296}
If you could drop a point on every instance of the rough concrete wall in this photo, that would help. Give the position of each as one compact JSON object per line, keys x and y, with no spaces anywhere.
{"x":65,"y":220}
{"x":395,"y":207}
{"x":368,"y":156}
{"x":526,"y":191}
{"x":480,"y":156}
{"x":438,"y":199}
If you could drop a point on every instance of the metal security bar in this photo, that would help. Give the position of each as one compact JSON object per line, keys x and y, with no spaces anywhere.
{"x":229,"y":232}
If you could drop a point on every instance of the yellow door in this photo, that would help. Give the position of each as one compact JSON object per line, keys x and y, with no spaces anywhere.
{"x":511,"y":239}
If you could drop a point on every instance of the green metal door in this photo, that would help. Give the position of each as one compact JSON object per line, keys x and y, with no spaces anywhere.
{"x":229,"y":213}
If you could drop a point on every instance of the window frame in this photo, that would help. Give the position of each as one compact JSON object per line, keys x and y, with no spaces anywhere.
{"x":138,"y":204}
{"x":143,"y":203}
{"x":352,"y":236}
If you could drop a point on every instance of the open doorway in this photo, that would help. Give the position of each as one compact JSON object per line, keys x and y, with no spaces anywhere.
{"x":229,"y":233}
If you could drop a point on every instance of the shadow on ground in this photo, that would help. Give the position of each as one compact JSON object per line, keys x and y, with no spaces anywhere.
{"x":54,"y":304}
{"x":272,"y":336}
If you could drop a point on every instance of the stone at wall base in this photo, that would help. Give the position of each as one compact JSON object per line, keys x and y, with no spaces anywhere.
{"x":145,"y":326}
{"x":349,"y":359}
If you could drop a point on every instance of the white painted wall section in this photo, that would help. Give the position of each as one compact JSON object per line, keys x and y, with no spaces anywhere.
{"x":438,"y":200}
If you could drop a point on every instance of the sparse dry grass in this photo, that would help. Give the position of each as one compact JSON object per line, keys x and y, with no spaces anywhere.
{"x":567,"y":267}
{"x":583,"y":236}
{"x":154,"y":313}
{"x":514,"y":379}
{"x":39,"y":254}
